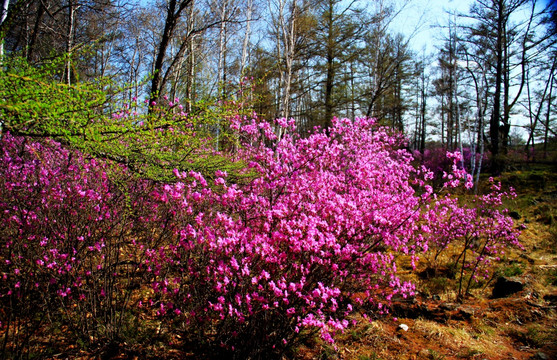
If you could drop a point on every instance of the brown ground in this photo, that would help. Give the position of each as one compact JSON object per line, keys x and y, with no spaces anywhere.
{"x":520,"y":326}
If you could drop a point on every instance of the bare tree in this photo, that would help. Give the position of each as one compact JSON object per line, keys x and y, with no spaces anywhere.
{"x":286,"y":16}
{"x":508,"y":46}
{"x":174,"y":11}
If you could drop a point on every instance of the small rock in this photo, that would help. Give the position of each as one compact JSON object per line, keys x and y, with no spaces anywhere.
{"x":540,"y":356}
{"x":403,"y":327}
{"x":448,"y":306}
{"x":466,"y":312}
{"x":506,"y":286}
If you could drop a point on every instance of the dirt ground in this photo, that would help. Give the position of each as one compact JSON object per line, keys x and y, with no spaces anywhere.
{"x":522,"y":325}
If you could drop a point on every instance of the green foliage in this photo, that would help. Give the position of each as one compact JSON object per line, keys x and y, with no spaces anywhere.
{"x":34,"y":102}
{"x":511,"y":270}
{"x":552,"y":277}
{"x":356,"y":335}
{"x":151,"y":142}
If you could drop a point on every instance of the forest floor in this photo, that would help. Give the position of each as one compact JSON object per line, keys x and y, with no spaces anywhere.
{"x":522,"y":325}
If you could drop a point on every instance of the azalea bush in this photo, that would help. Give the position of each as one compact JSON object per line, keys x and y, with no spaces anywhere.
{"x":468,"y":233}
{"x":286,"y":241}
{"x":67,"y":230}
{"x":294,"y":250}
{"x":436,"y":160}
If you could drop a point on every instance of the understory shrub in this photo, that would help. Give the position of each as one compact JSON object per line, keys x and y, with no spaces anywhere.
{"x":310,"y":237}
{"x":242,"y":266}
{"x":68,"y":229}
{"x":469,"y":233}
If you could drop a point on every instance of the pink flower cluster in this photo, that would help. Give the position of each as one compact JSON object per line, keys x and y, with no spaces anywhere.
{"x":66,"y":227}
{"x":474,"y":228}
{"x":55,"y":205}
{"x":308,"y":232}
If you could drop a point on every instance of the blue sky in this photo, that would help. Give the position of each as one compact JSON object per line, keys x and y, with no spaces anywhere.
{"x":422,"y":19}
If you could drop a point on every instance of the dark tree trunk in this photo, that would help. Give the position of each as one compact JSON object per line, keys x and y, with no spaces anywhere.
{"x":496,"y":114}
{"x":174,"y":11}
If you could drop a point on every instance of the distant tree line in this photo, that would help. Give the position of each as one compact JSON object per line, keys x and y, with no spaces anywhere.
{"x":489,"y":87}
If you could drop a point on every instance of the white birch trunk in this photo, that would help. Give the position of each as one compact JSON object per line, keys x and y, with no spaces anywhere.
{"x":247,"y":36}
{"x":3,"y":17}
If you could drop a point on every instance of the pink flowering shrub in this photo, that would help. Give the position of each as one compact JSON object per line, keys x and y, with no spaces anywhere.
{"x":64,"y":226}
{"x":436,"y":160}
{"x":244,"y":265}
{"x":310,"y":236}
{"x":477,"y":231}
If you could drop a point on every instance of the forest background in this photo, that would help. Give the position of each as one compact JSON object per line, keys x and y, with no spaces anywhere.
{"x":488,"y":85}
{"x":143,"y":192}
